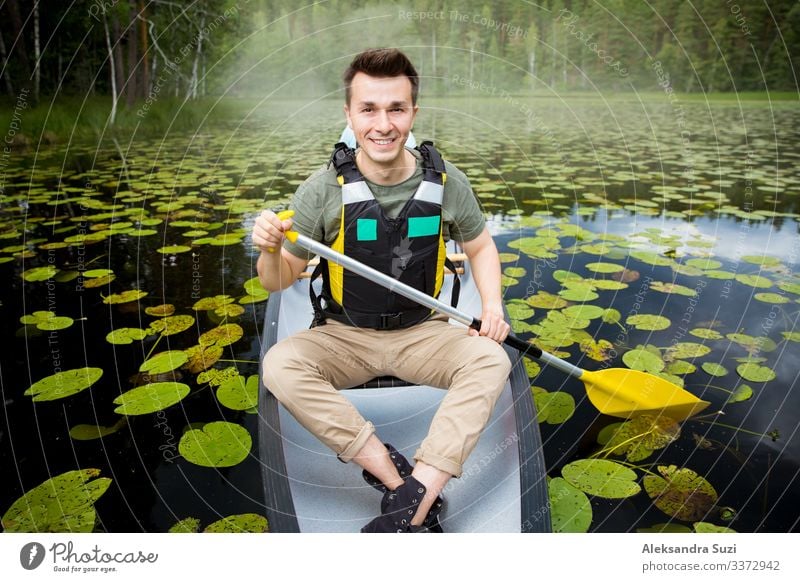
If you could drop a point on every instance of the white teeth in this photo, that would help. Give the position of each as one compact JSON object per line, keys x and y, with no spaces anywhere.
{"x":383,"y":141}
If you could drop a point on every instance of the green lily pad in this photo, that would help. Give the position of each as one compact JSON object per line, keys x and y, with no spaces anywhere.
{"x":40,"y":273}
{"x":202,"y":357}
{"x":239,"y":393}
{"x":124,"y":297}
{"x":680,"y":493}
{"x":672,"y":288}
{"x":740,"y":394}
{"x":611,"y":316}
{"x":163,"y":310}
{"x":63,"y":504}
{"x":680,"y":368}
{"x":705,"y":333}
{"x":762,"y":260}
{"x":211,"y":303}
{"x":722,"y":275}
{"x":714,"y":369}
{"x":164,"y":362}
{"x":790,"y":287}
{"x":242,"y":523}
{"x":643,"y":360}
{"x":47,"y":320}
{"x":89,"y":432}
{"x":518,"y":309}
{"x":186,"y":525}
{"x":609,"y":285}
{"x":704,"y":527}
{"x":664,"y":528}
{"x":93,"y":273}
{"x":704,"y":264}
{"x":222,"y":336}
{"x":516,"y":272}
{"x":63,"y":384}
{"x":217,"y":377}
{"x":553,"y":407}
{"x":605,"y":267}
{"x":601,"y":478}
{"x":792,"y":336}
{"x":571,"y":510}
{"x":755,"y":373}
{"x":173,"y":249}
{"x":217,"y":444}
{"x":753,"y":344}
{"x":544,"y":300}
{"x":754,"y":281}
{"x":648,"y":322}
{"x":639,"y":437}
{"x":579,"y":293}
{"x":150,"y":398}
{"x":231,"y":310}
{"x":775,"y":298}
{"x":584,"y":312}
{"x":172,"y":325}
{"x":126,"y":335}
{"x":682,"y":350}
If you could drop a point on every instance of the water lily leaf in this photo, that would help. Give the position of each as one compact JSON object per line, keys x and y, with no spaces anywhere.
{"x":762,"y":260}
{"x":94,"y":273}
{"x":164,"y":362}
{"x":532,"y":368}
{"x":186,"y":525}
{"x":553,"y":407}
{"x":680,"y":368}
{"x":681,"y":493}
{"x":755,"y":373}
{"x":126,"y":335}
{"x":601,"y":478}
{"x":508,"y":257}
{"x":704,"y":264}
{"x":611,"y":316}
{"x":222,"y":336}
{"x":62,"y":504}
{"x":516,"y":272}
{"x":639,"y":437}
{"x":682,"y":350}
{"x":229,"y":311}
{"x":605,"y":267}
{"x":584,"y":312}
{"x":202,"y":357}
{"x":571,"y":510}
{"x":775,"y":298}
{"x":47,"y":320}
{"x":545,"y":300}
{"x":626,"y":276}
{"x":506,"y":281}
{"x":722,"y":275}
{"x":518,"y":309}
{"x":579,"y":293}
{"x":89,"y":432}
{"x":39,"y":273}
{"x":754,"y":281}
{"x":163,"y":310}
{"x":216,"y":444}
{"x":150,"y":398}
{"x":172,"y":325}
{"x":210,"y":303}
{"x":242,"y":523}
{"x":124,"y":297}
{"x":99,"y":281}
{"x":239,"y":393}
{"x":740,"y":394}
{"x":672,"y":288}
{"x":792,"y":336}
{"x":248,"y":299}
{"x":651,"y":258}
{"x":599,"y":350}
{"x":790,"y":287}
{"x":643,"y":360}
{"x":217,"y":377}
{"x":704,"y":527}
{"x":714,"y":369}
{"x":753,"y":344}
{"x":609,"y":285}
{"x":173,"y":249}
{"x":648,"y":322}
{"x":63,"y":384}
{"x":664,"y":528}
{"x":706,"y":333}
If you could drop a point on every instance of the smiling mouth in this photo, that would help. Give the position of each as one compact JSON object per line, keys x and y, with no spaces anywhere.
{"x":382,"y":141}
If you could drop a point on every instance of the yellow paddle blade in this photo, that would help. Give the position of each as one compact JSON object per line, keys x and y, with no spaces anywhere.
{"x":625,"y":393}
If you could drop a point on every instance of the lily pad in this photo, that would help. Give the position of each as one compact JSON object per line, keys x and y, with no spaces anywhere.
{"x":63,"y":384}
{"x":672,"y":288}
{"x":740,"y":394}
{"x":683,"y":350}
{"x":173,"y":249}
{"x":775,"y":298}
{"x":680,"y":493}
{"x":211,"y":303}
{"x":47,"y":320}
{"x":164,"y":362}
{"x":222,"y":336}
{"x":40,"y":273}
{"x":714,"y":369}
{"x":639,"y":437}
{"x":571,"y":510}
{"x":553,"y":407}
{"x":217,"y":377}
{"x":239,"y":393}
{"x":163,"y":310}
{"x":216,"y":444}
{"x":755,"y":373}
{"x":126,"y":335}
{"x":89,"y":432}
{"x":648,"y":322}
{"x":643,"y":360}
{"x":124,"y":297}
{"x":680,"y":368}
{"x":202,"y":357}
{"x":754,"y":281}
{"x":229,"y":311}
{"x":705,"y":333}
{"x":544,"y":300}
{"x":63,"y":504}
{"x":242,"y":523}
{"x":186,"y":525}
{"x":601,"y":478}
{"x":605,"y":267}
{"x":150,"y":398}
{"x":704,"y":527}
{"x":172,"y":325}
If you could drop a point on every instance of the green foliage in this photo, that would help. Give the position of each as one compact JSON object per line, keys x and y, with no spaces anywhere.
{"x":216,"y":444}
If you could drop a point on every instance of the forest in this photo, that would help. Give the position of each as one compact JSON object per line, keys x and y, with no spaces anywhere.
{"x":139,"y":50}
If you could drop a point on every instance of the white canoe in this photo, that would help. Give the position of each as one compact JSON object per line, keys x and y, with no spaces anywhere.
{"x":307,"y":489}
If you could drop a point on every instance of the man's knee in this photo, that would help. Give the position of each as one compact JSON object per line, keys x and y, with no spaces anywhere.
{"x":280,"y":364}
{"x":492,"y":358}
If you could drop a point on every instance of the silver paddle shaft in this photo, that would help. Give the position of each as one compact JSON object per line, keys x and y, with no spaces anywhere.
{"x":418,"y":296}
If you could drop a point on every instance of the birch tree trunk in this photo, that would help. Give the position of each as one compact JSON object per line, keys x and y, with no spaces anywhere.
{"x":37,"y":71}
{"x":191,"y":90}
{"x":113,"y":72}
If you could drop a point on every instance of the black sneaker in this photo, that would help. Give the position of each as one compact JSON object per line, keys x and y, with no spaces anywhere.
{"x":401,"y":506}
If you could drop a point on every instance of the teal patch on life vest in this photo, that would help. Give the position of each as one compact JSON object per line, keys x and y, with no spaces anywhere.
{"x":367,"y":229}
{"x":423,"y":226}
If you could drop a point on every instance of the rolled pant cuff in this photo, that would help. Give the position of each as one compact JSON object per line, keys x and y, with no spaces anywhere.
{"x":358,"y":443}
{"x":441,"y":463}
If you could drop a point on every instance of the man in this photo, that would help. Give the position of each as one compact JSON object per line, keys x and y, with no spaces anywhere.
{"x":383,"y":195}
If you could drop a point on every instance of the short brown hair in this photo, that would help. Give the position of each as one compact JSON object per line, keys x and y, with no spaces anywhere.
{"x":383,"y":62}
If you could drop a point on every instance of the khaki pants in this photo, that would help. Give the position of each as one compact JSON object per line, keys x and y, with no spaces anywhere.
{"x":305,"y":372}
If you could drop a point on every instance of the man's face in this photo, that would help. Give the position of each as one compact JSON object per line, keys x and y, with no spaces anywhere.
{"x":381,"y":115}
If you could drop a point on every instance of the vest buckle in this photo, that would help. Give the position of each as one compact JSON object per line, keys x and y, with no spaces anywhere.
{"x":390,"y":320}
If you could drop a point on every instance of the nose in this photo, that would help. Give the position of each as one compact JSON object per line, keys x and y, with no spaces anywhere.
{"x":383,"y":123}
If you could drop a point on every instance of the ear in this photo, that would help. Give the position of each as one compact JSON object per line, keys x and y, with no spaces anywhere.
{"x":347,"y":116}
{"x":414,"y":109}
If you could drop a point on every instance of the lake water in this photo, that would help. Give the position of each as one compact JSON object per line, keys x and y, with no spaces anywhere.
{"x":697,"y":202}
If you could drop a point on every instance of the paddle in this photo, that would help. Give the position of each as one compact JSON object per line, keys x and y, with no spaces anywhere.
{"x":615,"y":391}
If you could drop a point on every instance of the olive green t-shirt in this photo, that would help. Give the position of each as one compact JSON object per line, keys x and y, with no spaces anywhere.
{"x":317,"y":205}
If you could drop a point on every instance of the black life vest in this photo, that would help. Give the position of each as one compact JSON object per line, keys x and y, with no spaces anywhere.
{"x":409,"y":248}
